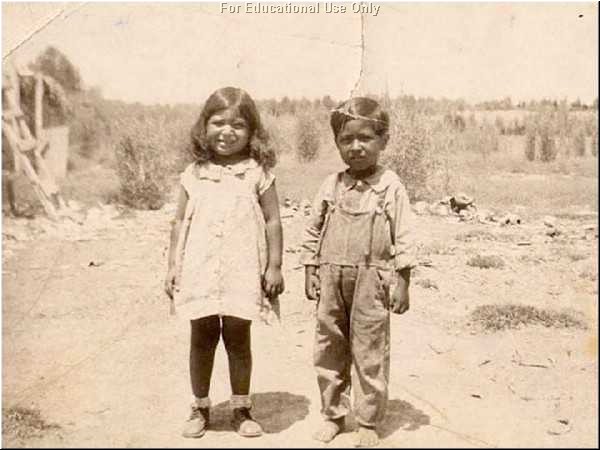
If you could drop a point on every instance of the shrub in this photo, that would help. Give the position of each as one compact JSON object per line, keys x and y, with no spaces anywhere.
{"x":510,"y":316}
{"x":530,"y":139}
{"x":308,"y":140}
{"x":548,"y":149}
{"x":579,"y":143}
{"x":410,"y":153}
{"x":594,"y":143}
{"x":147,"y":152}
{"x":486,"y":262}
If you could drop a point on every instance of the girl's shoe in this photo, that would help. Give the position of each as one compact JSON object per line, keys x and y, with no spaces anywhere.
{"x":244,"y":424}
{"x":197,"y":424}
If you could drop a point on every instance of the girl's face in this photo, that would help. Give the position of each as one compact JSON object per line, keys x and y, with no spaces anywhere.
{"x":227,"y":133}
{"x":360,"y":145}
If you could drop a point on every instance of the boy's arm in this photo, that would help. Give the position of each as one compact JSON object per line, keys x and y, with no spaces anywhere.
{"x":404,"y":239}
{"x":312,"y":232}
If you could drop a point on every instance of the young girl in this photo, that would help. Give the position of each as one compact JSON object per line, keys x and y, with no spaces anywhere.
{"x":357,"y":245}
{"x":221,"y":267}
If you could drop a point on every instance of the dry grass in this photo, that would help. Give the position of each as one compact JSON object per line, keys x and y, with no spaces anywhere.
{"x":19,"y":423}
{"x":486,"y":262}
{"x":512,"y":316}
{"x":426,"y":283}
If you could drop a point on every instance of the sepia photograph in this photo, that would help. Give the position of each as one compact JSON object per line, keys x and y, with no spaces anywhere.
{"x":299,"y":224}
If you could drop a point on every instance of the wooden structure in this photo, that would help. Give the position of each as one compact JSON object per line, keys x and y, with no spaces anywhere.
{"x":27,"y":148}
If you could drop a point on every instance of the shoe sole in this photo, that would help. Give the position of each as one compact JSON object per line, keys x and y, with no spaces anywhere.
{"x":194,"y":435}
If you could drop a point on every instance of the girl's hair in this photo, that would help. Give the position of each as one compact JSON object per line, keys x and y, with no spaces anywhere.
{"x":361,"y":108}
{"x":231,"y":97}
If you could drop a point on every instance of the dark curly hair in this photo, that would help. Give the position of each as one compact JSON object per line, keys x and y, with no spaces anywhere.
{"x":232,"y":97}
{"x":362,"y":108}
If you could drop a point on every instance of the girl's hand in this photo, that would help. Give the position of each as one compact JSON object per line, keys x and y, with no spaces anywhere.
{"x":171,"y":282}
{"x":312,"y":283}
{"x":273,"y":284}
{"x":400,"y":299}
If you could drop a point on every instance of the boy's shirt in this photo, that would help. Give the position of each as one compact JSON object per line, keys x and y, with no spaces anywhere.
{"x":363,"y":195}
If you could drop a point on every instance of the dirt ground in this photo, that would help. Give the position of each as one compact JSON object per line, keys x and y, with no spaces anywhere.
{"x":87,"y":341}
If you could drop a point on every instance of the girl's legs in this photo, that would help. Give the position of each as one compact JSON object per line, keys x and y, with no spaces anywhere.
{"x":205,"y":335}
{"x":204,"y":339}
{"x":236,"y":336}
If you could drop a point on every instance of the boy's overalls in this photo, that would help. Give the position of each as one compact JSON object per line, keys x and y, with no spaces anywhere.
{"x":353,"y":313}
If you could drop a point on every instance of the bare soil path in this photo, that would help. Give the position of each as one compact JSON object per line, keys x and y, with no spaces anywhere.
{"x":88,"y":341}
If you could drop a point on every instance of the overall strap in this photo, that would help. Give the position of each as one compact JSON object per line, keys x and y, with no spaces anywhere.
{"x":330,"y":206}
{"x":379,"y":209}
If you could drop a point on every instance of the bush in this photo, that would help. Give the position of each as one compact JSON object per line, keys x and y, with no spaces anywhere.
{"x":147,"y":153}
{"x":579,"y":143}
{"x":548,"y":149}
{"x":410,"y":153}
{"x":308,"y":140}
{"x":500,"y":317}
{"x":486,"y":262}
{"x":530,"y":139}
{"x":594,"y":143}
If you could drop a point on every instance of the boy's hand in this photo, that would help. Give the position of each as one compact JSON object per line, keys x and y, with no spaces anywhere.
{"x":273,"y":284}
{"x":312,"y":283}
{"x":400,"y":297}
{"x":171,"y":282}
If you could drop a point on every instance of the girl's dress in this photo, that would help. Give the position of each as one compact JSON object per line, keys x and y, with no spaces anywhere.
{"x":222,"y":245}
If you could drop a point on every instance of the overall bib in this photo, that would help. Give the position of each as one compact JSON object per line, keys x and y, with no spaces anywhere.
{"x":353,"y":312}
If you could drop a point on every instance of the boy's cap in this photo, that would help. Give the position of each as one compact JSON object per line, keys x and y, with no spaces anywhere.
{"x":344,"y":110}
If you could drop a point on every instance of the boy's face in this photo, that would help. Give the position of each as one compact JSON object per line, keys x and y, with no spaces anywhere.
{"x":360,"y":145}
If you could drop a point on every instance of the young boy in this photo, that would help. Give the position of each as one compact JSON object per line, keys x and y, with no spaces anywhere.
{"x":357,"y":245}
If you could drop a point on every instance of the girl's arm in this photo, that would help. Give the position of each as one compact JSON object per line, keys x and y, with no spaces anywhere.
{"x":175,"y":231}
{"x":273,"y":281}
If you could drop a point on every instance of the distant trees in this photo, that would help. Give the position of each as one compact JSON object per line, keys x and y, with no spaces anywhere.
{"x":54,"y":63}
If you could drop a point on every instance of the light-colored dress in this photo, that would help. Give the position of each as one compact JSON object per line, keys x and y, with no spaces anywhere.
{"x":222,"y":244}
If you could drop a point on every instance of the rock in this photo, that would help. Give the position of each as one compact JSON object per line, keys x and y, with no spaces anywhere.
{"x":420,"y":208}
{"x":439,"y":209}
{"x":549,"y":221}
{"x":484,"y":216}
{"x":553,"y":232}
{"x":287,"y":202}
{"x":465,"y":215}
{"x":460,"y":201}
{"x":510,"y":219}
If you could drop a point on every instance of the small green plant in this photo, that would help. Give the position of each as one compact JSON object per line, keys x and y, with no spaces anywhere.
{"x":308,"y":140}
{"x":426,"y":283}
{"x":486,"y":262}
{"x":510,"y":316}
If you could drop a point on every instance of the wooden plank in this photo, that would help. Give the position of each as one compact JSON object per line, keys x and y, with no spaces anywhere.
{"x":22,"y":161}
{"x":39,"y":95}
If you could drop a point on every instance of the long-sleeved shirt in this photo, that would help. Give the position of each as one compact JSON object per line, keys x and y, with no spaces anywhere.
{"x":362,"y":195}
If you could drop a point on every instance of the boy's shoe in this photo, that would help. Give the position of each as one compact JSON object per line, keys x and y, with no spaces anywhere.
{"x":197,"y":424}
{"x":244,"y":424}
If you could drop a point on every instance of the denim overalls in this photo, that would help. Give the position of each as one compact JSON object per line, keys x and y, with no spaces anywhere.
{"x":353,"y":312}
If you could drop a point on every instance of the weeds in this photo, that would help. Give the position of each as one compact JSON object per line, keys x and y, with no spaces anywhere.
{"x":486,"y":262}
{"x":24,"y":423}
{"x":511,"y":316}
{"x":308,"y":139}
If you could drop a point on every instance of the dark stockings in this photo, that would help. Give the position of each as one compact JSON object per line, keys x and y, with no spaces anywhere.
{"x":204,"y":339}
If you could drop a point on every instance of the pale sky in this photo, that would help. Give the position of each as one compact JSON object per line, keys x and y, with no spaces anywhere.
{"x":180,"y":52}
